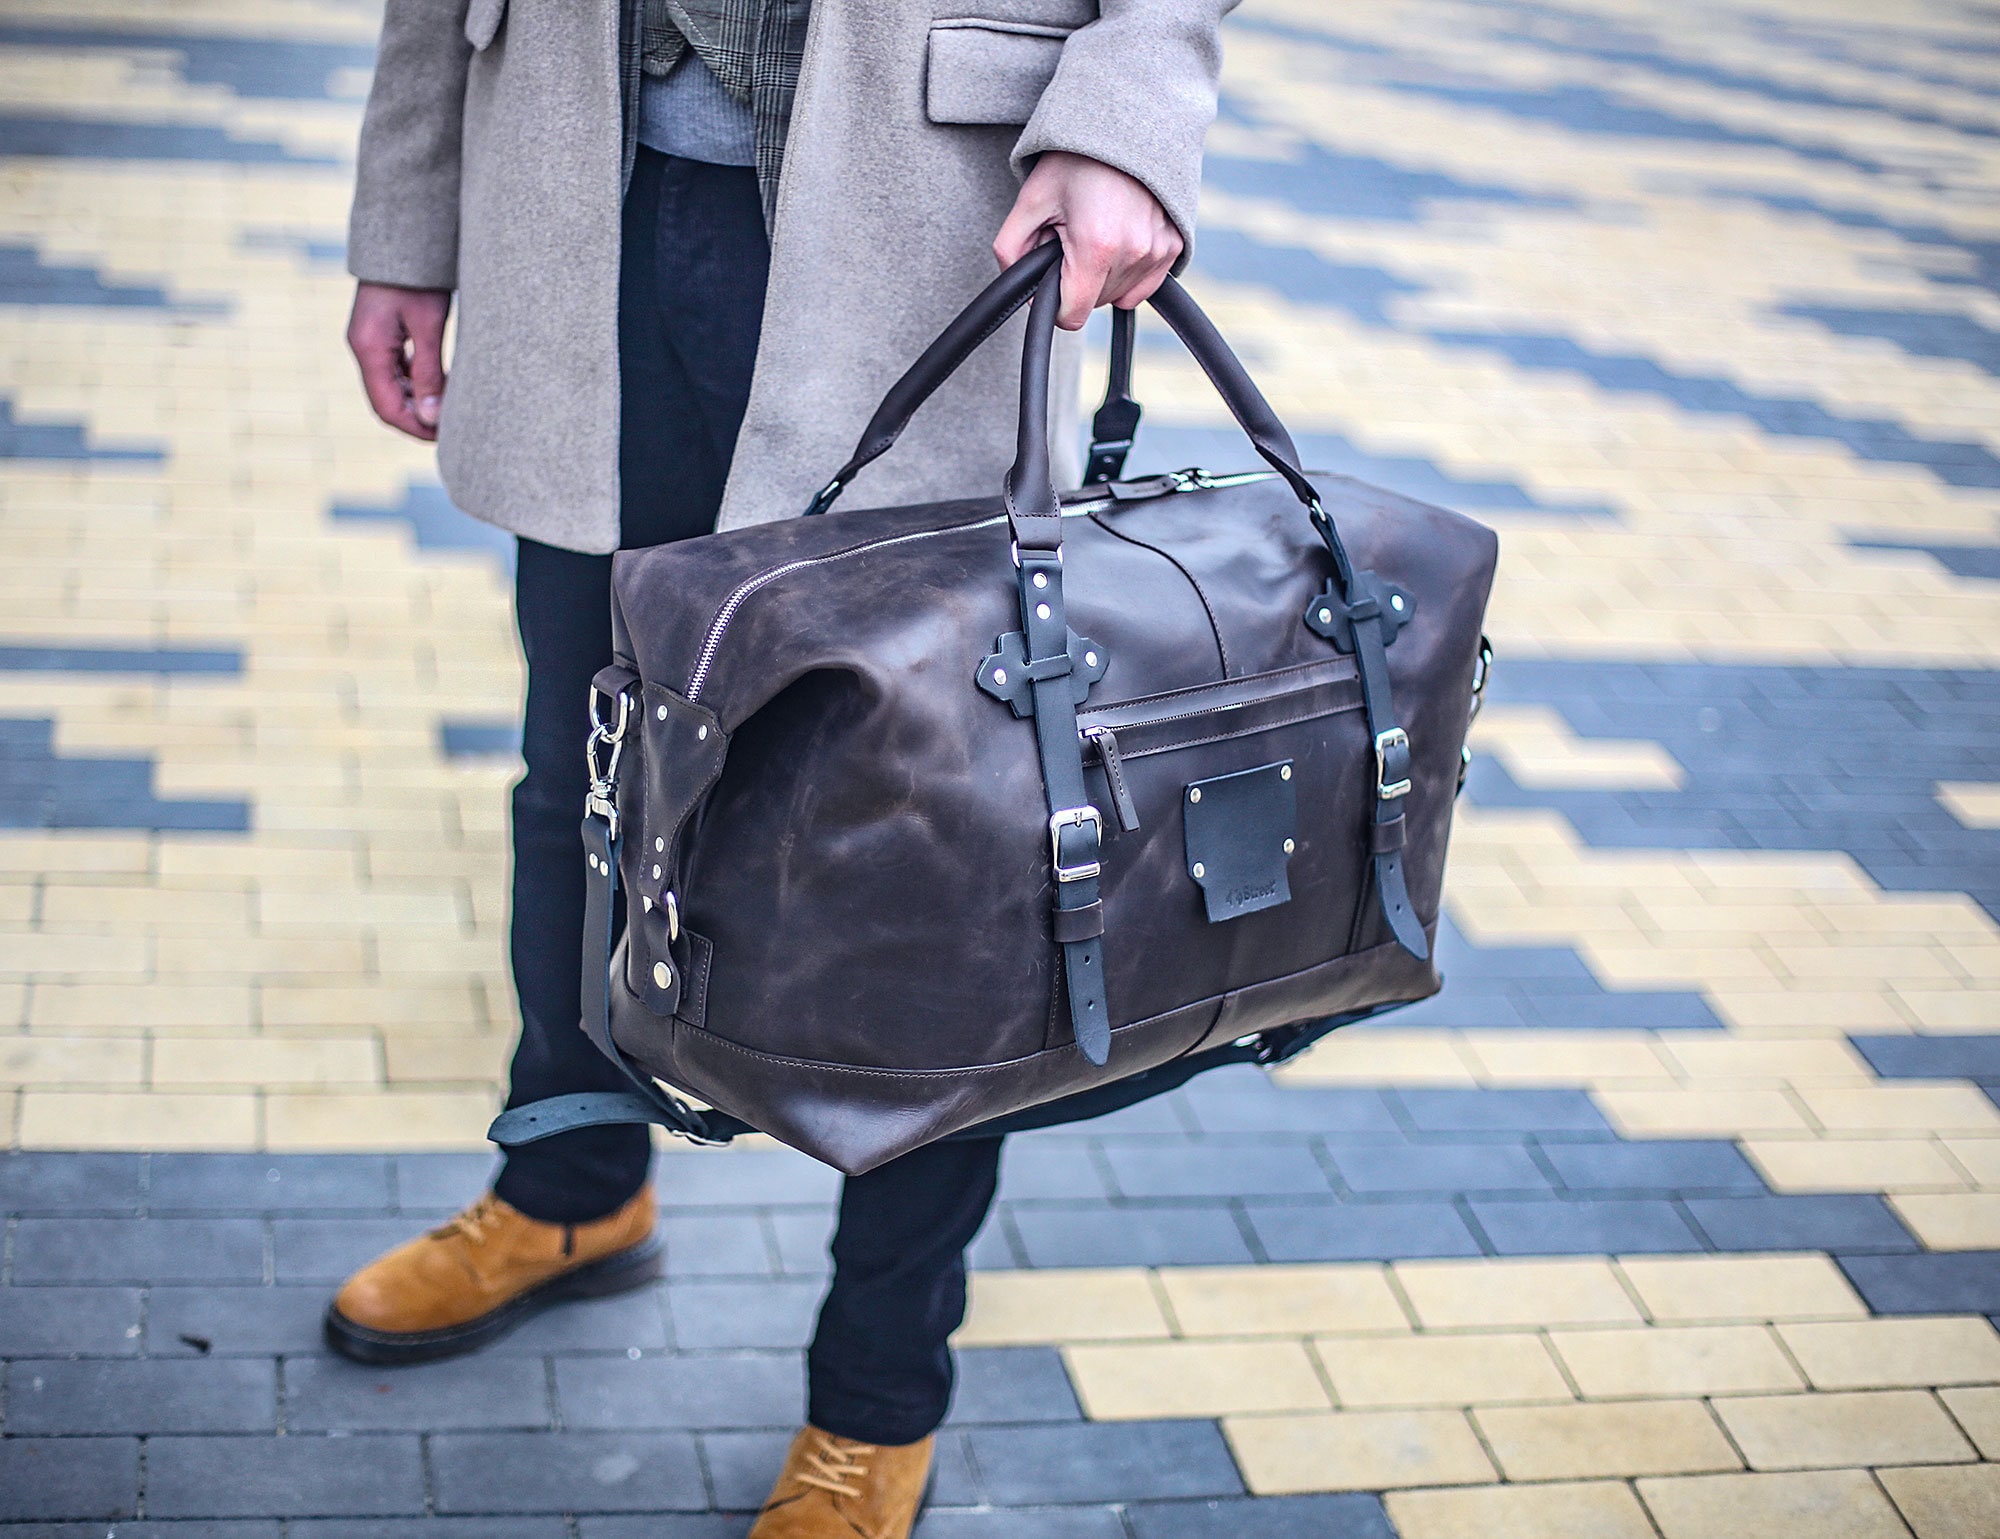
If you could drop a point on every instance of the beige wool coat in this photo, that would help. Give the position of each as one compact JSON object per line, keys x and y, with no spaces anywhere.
{"x":490,"y":163}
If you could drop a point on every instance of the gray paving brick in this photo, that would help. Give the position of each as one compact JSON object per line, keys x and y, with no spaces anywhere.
{"x":1159,"y":1114}
{"x":114,"y":1250}
{"x":616,"y":1324}
{"x":1358,"y":1231}
{"x":692,"y":1391}
{"x":109,"y":1395}
{"x":59,"y":1322}
{"x":424,"y":1528}
{"x":69,"y":1477}
{"x":528,"y":1472}
{"x":1668,"y":1165}
{"x":993,"y":1248}
{"x":742,"y":1178}
{"x":1009,"y":1384}
{"x":1023,"y":1523}
{"x":482,"y":1393}
{"x":234,"y":1322}
{"x":1131,"y":1234}
{"x":1376,"y":1169}
{"x":245,"y":1528}
{"x":743,"y":1465}
{"x":1103,"y":1462}
{"x":1278,"y":1165}
{"x":267,"y":1183}
{"x":1285,"y":1109}
{"x":1500,"y":1111}
{"x":802,"y":1237}
{"x":1847,"y":1221}
{"x":329,"y":1250}
{"x":440,"y":1182}
{"x":666,"y":1525}
{"x":1956,"y":1282}
{"x":365,"y":1475}
{"x":1061,"y":1168}
{"x":1351,"y":1515}
{"x":715,"y":1245}
{"x":713,"y":1316}
{"x":1584,"y":1226}
{"x":47,"y":1182}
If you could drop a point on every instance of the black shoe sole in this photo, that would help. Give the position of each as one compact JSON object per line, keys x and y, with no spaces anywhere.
{"x":620,"y":1272}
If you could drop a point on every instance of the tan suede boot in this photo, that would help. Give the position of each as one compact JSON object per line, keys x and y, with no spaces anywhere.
{"x":472,"y":1280}
{"x":835,"y":1488}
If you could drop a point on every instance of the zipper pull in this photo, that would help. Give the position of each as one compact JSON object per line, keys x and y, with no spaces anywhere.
{"x":1106,"y":744}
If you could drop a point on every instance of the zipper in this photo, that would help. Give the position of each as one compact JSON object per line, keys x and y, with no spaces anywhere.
{"x":1178,"y":481}
{"x":1105,"y":741}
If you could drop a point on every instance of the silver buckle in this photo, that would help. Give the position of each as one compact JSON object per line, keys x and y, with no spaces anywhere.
{"x":601,"y":800}
{"x":1385,"y":744}
{"x":1074,"y":817}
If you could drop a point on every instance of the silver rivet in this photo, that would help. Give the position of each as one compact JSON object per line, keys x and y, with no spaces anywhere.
{"x":999,"y":675}
{"x":660,"y":845}
{"x":661,"y":713}
{"x":701,"y":735}
{"x":656,"y":873}
{"x":1090,"y":659}
{"x":1326,"y":617}
{"x":647,"y":901}
{"x":1395,"y":601}
{"x":593,"y":861}
{"x":1200,"y":870}
{"x":663,"y":975}
{"x":1285,"y":773}
{"x":1041,"y":611}
{"x":1194,"y":793}
{"x":1041,"y":579}
{"x":1288,"y":846}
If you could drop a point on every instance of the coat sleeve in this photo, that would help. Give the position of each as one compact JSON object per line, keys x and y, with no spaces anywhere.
{"x":1136,"y":89}
{"x":403,"y":227}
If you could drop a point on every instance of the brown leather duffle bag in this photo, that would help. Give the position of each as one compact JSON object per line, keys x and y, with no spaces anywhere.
{"x":979,"y":815}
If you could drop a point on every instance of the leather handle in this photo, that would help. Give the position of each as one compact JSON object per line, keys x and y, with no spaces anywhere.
{"x":1033,"y":508}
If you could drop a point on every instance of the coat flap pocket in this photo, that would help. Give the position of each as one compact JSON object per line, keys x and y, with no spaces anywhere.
{"x":482,"y":21}
{"x":989,"y":71}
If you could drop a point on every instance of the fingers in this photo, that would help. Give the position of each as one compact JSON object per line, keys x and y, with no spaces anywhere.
{"x":397,"y":338}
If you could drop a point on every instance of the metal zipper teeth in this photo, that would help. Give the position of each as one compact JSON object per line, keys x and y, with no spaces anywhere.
{"x":712,"y":643}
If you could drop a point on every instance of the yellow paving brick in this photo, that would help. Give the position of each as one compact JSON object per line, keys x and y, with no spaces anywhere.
{"x":1596,"y":1509}
{"x":1564,"y":1057}
{"x":1668,"y":1360}
{"x":439,"y":1005}
{"x":1439,"y":1369}
{"x":1129,"y":1380}
{"x":1834,"y":1504}
{"x":1611,"y":1438}
{"x":1952,"y":1220}
{"x":59,"y":1119}
{"x":1977,"y":1157}
{"x":1947,"y":1502}
{"x":1281,"y":1300}
{"x":1854,"y":1164}
{"x":1902,"y":1108}
{"x":1356,"y":1451}
{"x":1974,"y":804}
{"x":56,"y":955}
{"x":1787,"y":1059}
{"x":1694,"y":1289}
{"x":141,"y":1005}
{"x":1893,"y":1354}
{"x":1827,"y":1431}
{"x":427,"y":1059}
{"x":1016,"y":1308}
{"x":1701,"y":1113}
{"x":400,"y":1119}
{"x":1380,"y":1056}
{"x":1977,"y":1411}
{"x":274,"y":1061}
{"x":72,"y":1060}
{"x":1457,"y":1294}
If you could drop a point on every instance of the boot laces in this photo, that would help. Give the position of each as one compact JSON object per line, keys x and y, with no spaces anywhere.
{"x":834,"y":1464}
{"x":472,"y":1222}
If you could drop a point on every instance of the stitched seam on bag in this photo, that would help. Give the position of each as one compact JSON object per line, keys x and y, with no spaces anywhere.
{"x":1223,"y":737}
{"x":1326,"y":674}
{"x":1221,"y":646}
{"x":824,"y":1067}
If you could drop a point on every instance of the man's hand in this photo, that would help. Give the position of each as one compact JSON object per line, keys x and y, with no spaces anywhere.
{"x":397,"y":336}
{"x":1117,"y":241}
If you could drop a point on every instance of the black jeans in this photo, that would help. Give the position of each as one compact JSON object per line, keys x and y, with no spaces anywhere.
{"x":691,"y":299}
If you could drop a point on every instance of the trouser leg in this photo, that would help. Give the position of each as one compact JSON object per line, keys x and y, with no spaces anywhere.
{"x":880,"y":1364}
{"x":691,"y":300}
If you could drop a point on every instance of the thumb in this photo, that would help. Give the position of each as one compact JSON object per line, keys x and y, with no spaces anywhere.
{"x":425,"y":327}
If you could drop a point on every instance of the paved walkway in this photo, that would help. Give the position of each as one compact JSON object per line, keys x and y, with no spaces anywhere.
{"x":1678,"y":1214}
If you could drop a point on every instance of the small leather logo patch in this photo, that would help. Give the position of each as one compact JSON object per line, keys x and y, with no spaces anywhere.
{"x":1241,"y":831}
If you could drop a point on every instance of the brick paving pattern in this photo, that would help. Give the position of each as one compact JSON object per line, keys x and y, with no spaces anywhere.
{"x":1676,"y":1215}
